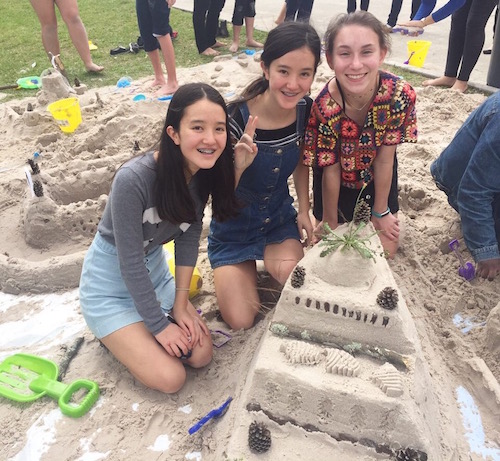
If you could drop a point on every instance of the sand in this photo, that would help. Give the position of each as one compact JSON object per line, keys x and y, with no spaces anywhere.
{"x":455,"y":322}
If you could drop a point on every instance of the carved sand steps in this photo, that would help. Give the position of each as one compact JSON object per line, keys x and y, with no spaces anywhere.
{"x":337,"y":365}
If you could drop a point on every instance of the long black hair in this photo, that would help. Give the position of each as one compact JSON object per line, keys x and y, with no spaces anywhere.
{"x":173,"y":201}
{"x":288,"y":36}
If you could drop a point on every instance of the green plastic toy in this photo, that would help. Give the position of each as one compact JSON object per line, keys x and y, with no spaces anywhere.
{"x":25,"y":378}
{"x":29,"y":83}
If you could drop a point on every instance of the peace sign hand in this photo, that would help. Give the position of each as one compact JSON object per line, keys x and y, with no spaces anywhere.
{"x":245,"y":149}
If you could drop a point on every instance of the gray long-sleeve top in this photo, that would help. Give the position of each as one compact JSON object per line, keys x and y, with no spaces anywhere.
{"x":130,"y":222}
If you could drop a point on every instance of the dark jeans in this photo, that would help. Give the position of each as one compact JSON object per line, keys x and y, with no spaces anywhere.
{"x":298,"y":10}
{"x":205,"y":22}
{"x":396,"y":9}
{"x":351,"y":5}
{"x":467,"y":37}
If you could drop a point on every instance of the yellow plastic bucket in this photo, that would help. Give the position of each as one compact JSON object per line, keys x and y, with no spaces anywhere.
{"x":67,"y":114}
{"x":196,"y":279}
{"x":417,"y":51}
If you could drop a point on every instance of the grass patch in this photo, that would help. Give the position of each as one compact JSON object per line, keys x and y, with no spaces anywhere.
{"x":109,"y":24}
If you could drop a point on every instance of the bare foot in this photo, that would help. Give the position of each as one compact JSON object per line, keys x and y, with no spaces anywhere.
{"x":94,"y":68}
{"x":459,"y":86}
{"x":218,"y":44}
{"x":255,"y":44}
{"x":234,"y":47}
{"x":167,"y":89}
{"x":157,"y":82}
{"x":210,"y":52}
{"x":440,"y":81}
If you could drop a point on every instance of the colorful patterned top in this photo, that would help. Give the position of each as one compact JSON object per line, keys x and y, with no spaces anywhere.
{"x":331,"y":136}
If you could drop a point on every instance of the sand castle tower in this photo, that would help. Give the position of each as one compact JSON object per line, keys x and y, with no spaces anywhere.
{"x":340,"y":374}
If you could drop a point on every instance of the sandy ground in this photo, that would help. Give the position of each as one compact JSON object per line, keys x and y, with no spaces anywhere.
{"x":45,"y":239}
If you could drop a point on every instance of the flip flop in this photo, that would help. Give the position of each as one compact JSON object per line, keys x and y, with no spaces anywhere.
{"x":119,"y":50}
{"x":92,"y":47}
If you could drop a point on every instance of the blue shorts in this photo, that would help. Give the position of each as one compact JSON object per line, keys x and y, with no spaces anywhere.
{"x":153,"y":17}
{"x":105,"y":301}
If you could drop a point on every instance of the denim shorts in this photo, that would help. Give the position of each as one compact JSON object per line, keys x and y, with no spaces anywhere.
{"x":153,"y":17}
{"x":105,"y":301}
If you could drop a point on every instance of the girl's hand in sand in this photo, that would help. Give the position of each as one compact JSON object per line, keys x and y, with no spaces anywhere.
{"x":388,"y":225}
{"x":488,"y":269}
{"x":174,"y":340}
{"x":245,"y":149}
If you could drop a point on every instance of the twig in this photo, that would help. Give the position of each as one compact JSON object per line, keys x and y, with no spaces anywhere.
{"x":68,"y":356}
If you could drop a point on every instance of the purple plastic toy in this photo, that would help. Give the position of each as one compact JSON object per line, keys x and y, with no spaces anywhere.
{"x":466,"y":269}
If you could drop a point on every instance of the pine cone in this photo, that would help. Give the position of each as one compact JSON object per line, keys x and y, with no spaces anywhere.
{"x":362,"y":212}
{"x":388,"y":298}
{"x":409,"y":454}
{"x":136,"y":145}
{"x":37,"y":188}
{"x":35,"y":169}
{"x":298,"y":277}
{"x":29,"y":107}
{"x":259,"y":437}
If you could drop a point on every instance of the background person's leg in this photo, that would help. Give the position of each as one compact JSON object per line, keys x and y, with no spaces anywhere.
{"x":480,"y":12}
{"x":394,"y":13}
{"x":45,"y":10}
{"x":200,"y":10}
{"x":213,"y":20}
{"x":71,"y":16}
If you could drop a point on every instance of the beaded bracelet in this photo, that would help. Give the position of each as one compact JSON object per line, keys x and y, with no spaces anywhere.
{"x":381,"y":215}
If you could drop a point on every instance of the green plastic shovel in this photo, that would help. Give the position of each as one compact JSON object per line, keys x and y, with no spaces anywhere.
{"x":25,"y":377}
{"x":28,"y":83}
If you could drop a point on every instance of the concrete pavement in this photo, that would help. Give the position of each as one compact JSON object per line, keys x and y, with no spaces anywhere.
{"x":324,"y":10}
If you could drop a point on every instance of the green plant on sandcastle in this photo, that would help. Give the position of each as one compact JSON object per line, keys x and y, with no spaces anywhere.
{"x":354,"y":238}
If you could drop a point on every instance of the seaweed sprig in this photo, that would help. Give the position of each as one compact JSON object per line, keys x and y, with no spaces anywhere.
{"x":353,"y":239}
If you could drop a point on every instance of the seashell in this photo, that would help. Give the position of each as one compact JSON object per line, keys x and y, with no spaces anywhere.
{"x":388,"y":378}
{"x":303,"y":353}
{"x":341,"y":363}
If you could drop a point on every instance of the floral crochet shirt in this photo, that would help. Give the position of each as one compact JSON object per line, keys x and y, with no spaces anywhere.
{"x":331,"y":136}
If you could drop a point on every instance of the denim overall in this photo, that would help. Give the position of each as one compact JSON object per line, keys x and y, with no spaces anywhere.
{"x":268,"y":215}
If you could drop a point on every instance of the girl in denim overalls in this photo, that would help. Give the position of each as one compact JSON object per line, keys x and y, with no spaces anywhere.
{"x":268,"y":227}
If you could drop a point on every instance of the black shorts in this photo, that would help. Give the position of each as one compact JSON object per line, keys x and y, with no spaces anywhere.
{"x":348,"y":197}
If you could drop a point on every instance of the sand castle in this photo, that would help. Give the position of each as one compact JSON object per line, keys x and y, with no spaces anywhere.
{"x":339,"y":371}
{"x":49,"y":234}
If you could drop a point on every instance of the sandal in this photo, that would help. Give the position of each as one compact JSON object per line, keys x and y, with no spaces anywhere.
{"x":118,"y":50}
